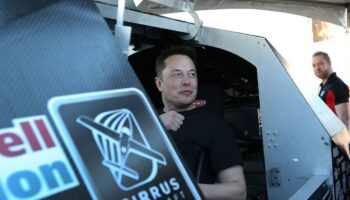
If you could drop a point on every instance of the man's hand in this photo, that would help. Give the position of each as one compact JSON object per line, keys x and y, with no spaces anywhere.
{"x":342,"y":140}
{"x":172,"y":120}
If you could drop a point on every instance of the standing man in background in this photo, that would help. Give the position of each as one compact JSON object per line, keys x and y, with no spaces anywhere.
{"x":333,"y":91}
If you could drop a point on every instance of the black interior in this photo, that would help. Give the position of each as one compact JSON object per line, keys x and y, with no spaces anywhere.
{"x":230,"y":86}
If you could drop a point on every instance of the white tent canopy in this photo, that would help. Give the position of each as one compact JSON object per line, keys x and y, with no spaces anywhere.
{"x":334,"y":11}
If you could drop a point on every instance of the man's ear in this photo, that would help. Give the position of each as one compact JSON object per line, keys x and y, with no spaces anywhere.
{"x":159,"y":83}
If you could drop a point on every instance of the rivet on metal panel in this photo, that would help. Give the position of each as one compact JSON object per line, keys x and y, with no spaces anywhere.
{"x":272,"y":139}
{"x":269,"y":146}
{"x":322,"y":138}
{"x":275,"y":177}
{"x":264,"y":45}
{"x":275,"y":145}
{"x":258,"y":42}
{"x":268,"y":133}
{"x":326,"y":143}
{"x":274,"y":132}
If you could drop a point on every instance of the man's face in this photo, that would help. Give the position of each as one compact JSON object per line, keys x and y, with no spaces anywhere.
{"x":178,"y":82}
{"x":321,"y":67}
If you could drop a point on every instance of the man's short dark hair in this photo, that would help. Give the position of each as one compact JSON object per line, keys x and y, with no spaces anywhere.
{"x":173,"y":50}
{"x":324,"y":54}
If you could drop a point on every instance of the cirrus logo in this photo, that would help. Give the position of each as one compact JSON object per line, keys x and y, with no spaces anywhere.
{"x":124,"y":146}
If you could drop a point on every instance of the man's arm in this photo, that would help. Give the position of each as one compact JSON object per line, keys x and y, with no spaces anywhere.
{"x":231,"y":185}
{"x":343,"y":112}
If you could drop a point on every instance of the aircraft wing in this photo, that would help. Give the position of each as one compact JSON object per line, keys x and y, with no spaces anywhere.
{"x":91,"y":124}
{"x":147,"y":152}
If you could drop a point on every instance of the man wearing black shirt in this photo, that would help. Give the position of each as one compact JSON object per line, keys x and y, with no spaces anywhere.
{"x":196,"y":129}
{"x":333,"y":91}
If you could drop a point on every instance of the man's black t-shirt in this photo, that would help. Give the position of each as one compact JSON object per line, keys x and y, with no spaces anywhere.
{"x":205,"y":131}
{"x":334,"y":92}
